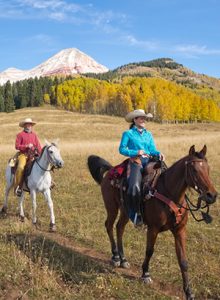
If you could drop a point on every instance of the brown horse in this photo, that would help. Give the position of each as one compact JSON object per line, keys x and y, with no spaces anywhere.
{"x":190,"y":171}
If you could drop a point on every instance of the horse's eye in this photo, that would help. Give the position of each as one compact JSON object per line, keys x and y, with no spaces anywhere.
{"x":51,"y":152}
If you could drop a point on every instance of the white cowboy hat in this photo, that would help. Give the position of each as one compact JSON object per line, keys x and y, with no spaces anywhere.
{"x":25,"y":121}
{"x":137,"y":113}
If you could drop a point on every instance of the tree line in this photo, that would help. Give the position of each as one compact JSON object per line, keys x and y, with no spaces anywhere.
{"x":27,"y":93}
{"x":167,"y":101}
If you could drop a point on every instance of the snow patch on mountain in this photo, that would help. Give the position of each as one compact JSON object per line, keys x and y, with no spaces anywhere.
{"x":66,"y":62}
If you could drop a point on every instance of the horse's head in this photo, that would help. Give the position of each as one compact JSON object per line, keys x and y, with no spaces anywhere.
{"x":197,"y":175}
{"x":53,"y":154}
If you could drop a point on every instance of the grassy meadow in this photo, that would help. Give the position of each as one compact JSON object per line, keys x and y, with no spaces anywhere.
{"x":73,"y":263}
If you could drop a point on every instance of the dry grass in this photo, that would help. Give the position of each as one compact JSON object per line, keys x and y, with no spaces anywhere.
{"x":48,"y":270}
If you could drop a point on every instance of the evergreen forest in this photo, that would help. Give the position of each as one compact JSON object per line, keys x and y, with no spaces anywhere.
{"x":167,"y":101}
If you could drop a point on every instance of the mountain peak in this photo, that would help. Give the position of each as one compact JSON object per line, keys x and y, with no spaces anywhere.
{"x":68,"y":61}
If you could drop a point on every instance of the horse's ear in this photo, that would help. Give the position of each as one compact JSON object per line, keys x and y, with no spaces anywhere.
{"x":192,"y":150}
{"x":46,"y":142}
{"x":203,"y":151}
{"x":56,"y":142}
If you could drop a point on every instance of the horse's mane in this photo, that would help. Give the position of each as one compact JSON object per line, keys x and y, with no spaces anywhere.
{"x":178,"y":163}
{"x":42,"y":151}
{"x":185,"y":158}
{"x":54,"y":143}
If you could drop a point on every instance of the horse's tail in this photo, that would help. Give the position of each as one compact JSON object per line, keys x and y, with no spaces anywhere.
{"x":97,"y":167}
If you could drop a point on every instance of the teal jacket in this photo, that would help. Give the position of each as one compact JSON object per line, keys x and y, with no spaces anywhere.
{"x":133,"y":140}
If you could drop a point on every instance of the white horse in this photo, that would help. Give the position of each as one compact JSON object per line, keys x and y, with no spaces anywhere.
{"x":39,"y":180}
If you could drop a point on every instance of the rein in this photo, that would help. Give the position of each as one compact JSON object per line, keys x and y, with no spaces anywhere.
{"x":205,"y":215}
{"x":191,"y":207}
{"x":49,"y":159}
{"x":178,"y":208}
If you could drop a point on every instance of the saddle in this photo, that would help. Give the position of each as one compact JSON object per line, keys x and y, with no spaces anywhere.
{"x":13,"y":163}
{"x":119,"y":174}
{"x":27,"y":172}
{"x":151,"y":173}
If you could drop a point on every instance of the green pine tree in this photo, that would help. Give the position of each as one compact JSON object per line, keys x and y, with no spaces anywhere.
{"x":2,"y":105}
{"x":8,"y":98}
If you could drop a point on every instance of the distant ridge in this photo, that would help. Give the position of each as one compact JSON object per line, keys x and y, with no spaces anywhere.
{"x":165,"y":68}
{"x":66,"y":62}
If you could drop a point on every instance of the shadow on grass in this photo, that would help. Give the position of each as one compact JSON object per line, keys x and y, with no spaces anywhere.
{"x":73,"y":266}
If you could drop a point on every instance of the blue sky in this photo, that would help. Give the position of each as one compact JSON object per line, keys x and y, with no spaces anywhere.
{"x":113,"y":32}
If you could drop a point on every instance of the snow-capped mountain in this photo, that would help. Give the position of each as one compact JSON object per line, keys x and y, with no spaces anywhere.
{"x":66,"y":62}
{"x":13,"y":75}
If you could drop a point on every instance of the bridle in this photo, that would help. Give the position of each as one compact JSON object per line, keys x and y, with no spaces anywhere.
{"x":190,"y":181}
{"x":197,"y":186}
{"x":52,"y":164}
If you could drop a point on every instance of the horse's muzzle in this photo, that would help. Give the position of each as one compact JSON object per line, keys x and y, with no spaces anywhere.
{"x":208,"y":197}
{"x":60,"y":164}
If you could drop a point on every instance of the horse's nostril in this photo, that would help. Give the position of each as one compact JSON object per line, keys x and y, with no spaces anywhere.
{"x":211,"y":198}
{"x":60,"y":164}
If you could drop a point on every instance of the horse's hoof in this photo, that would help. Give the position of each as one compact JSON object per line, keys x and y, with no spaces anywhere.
{"x":116,"y":261}
{"x":146,"y":278}
{"x":21,"y":218}
{"x":190,"y":297}
{"x":37,"y":224}
{"x":4,"y":210}
{"x":124,"y":264}
{"x":52,"y":227}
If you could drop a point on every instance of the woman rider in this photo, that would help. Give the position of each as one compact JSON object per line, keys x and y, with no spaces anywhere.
{"x":138,"y":144}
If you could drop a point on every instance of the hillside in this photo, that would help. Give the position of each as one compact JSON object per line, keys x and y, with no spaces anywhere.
{"x":166,"y":68}
{"x":163,"y":87}
{"x":73,"y":263}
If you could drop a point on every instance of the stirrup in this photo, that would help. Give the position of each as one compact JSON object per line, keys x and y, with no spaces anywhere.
{"x":150,"y":194}
{"x":138,"y":220}
{"x":18,"y":191}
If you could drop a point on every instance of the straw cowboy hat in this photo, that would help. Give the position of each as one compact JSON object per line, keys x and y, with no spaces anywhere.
{"x":137,"y":113}
{"x":25,"y":121}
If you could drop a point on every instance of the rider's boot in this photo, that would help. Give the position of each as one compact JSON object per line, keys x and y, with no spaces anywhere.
{"x":18,"y":191}
{"x":134,"y":192}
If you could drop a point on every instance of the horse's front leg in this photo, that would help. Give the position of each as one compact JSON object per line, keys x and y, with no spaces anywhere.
{"x":47,"y":195}
{"x":120,"y":227}
{"x":180,"y":241}
{"x":151,"y":239}
{"x":21,"y":208}
{"x":34,"y":206}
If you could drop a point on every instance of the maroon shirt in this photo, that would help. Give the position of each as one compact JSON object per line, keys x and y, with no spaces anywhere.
{"x":25,"y":138}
